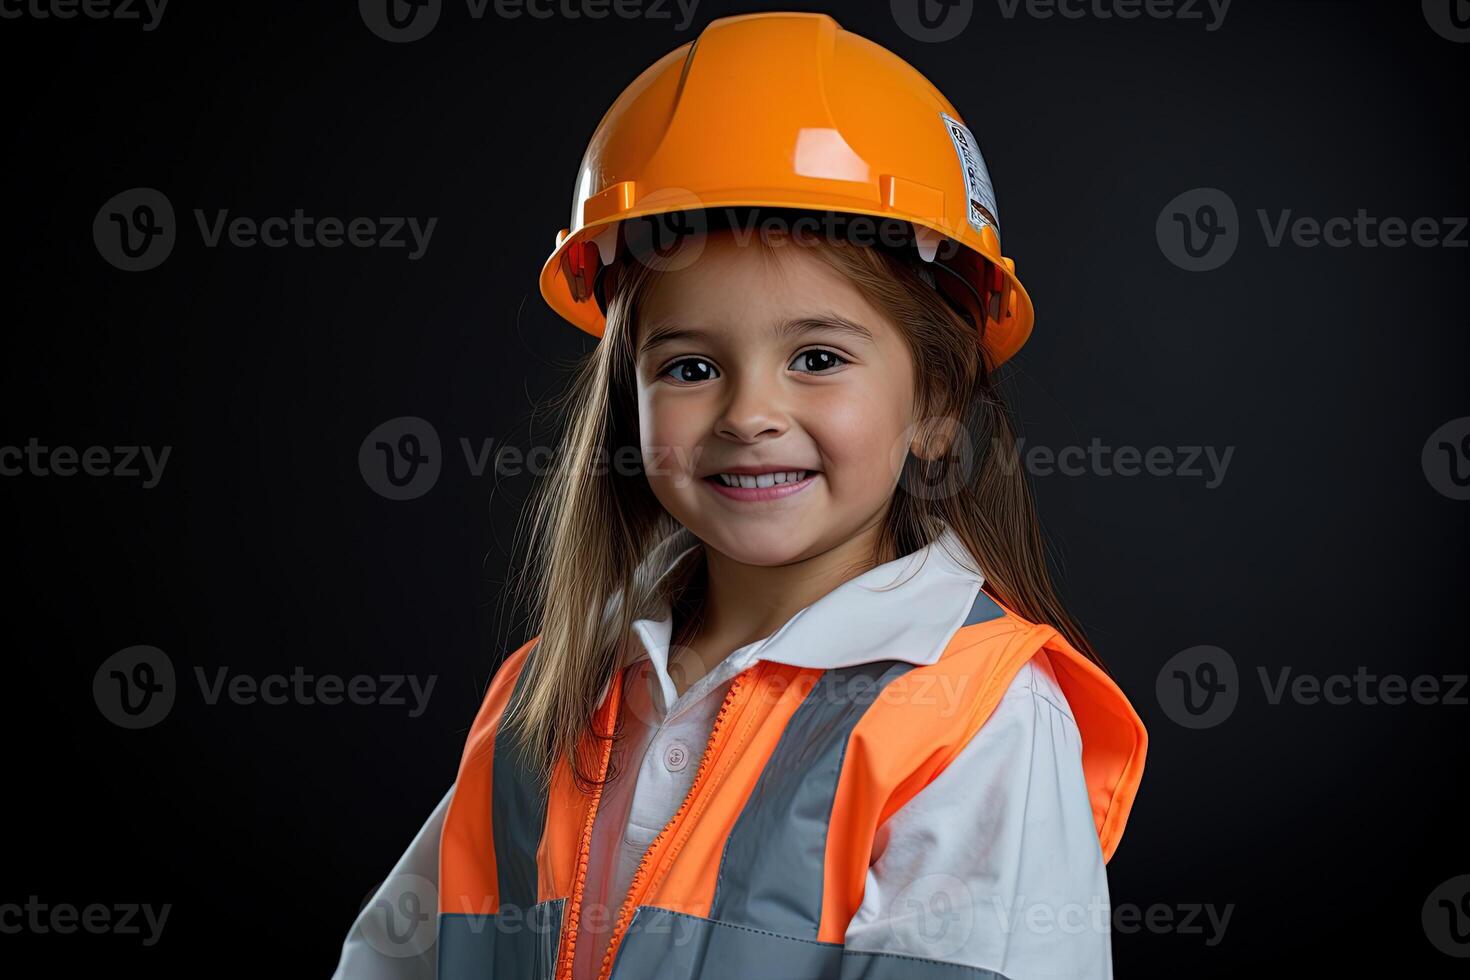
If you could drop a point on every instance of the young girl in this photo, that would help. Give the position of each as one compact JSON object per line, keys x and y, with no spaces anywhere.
{"x":803,"y":702}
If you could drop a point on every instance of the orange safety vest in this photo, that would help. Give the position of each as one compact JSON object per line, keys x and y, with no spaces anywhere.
{"x":763,"y":865}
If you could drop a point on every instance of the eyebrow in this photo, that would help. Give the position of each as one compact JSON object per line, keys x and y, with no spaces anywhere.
{"x":669,"y":332}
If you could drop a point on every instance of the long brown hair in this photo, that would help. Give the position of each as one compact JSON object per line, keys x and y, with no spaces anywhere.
{"x":595,"y":535}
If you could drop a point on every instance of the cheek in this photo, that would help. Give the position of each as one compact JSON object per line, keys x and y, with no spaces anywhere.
{"x":864,"y":436}
{"x":667,"y":432}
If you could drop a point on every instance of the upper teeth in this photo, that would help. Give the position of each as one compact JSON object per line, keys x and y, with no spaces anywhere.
{"x":762,"y":480}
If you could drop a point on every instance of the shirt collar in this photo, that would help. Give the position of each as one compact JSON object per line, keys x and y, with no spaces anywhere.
{"x":865,"y":619}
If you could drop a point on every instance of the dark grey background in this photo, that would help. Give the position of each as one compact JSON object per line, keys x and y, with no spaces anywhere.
{"x":1326,"y":547}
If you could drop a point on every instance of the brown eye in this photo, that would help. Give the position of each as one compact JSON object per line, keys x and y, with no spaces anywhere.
{"x":690,"y":370}
{"x":817,"y":360}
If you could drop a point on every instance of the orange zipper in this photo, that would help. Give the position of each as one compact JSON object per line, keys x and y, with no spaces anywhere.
{"x":584,"y":846}
{"x":654,"y":854}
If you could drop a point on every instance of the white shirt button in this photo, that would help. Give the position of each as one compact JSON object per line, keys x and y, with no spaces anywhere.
{"x":676,"y":757}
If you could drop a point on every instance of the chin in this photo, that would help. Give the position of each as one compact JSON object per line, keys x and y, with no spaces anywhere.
{"x":767,"y":543}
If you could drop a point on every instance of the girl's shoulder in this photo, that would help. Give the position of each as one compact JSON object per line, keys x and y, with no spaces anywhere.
{"x":1000,"y":667}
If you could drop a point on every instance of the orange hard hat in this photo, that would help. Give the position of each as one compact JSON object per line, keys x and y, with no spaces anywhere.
{"x":789,"y":111}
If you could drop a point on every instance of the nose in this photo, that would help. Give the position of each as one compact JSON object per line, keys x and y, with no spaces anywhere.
{"x":753,"y":410}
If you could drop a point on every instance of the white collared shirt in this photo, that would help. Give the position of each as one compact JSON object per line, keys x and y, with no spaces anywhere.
{"x":949,"y":878}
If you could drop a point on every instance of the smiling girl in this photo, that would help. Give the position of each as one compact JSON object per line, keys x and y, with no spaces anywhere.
{"x":802,"y":701}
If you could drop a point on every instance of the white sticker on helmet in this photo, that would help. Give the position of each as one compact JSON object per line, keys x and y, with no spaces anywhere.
{"x":981,"y":208}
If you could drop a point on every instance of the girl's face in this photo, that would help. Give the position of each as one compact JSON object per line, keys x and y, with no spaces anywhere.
{"x":771,"y":365}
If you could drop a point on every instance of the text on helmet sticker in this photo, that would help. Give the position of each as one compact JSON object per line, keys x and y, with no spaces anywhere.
{"x":979,"y":194}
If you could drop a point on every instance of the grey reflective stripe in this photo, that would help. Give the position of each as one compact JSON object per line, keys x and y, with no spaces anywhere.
{"x":512,"y":943}
{"x":669,"y":945}
{"x":518,"y":814}
{"x":983,"y":611}
{"x":771,"y":870}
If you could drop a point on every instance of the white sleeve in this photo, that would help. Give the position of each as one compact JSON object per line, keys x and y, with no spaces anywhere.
{"x":996,"y":864}
{"x":393,"y":937}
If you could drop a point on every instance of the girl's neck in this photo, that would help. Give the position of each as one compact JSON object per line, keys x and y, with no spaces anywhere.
{"x":736,"y":604}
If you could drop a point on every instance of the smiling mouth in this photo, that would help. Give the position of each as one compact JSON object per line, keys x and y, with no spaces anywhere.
{"x":761,"y":488}
{"x":753,"y":480}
